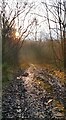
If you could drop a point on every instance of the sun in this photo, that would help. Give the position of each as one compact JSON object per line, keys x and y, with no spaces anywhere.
{"x":17,"y":34}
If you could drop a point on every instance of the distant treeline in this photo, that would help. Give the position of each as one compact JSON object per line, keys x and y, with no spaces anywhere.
{"x":46,"y":52}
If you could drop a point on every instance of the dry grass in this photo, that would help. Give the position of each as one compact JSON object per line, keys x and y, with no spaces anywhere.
{"x":42,"y":55}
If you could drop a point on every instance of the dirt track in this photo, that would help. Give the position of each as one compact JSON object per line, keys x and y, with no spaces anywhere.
{"x":26,"y":98}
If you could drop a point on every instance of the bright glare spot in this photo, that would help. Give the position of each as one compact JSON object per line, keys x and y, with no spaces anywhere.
{"x":17,"y":34}
{"x":19,"y":77}
{"x":29,"y":74}
{"x":39,"y":83}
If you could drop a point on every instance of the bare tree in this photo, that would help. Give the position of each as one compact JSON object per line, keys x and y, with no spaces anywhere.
{"x":13,"y":38}
{"x":57,"y":11}
{"x":64,"y":34}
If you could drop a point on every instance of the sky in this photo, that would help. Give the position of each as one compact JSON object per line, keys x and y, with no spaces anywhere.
{"x":39,"y":12}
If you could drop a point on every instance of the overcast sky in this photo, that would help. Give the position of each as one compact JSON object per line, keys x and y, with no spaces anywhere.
{"x":40,"y":9}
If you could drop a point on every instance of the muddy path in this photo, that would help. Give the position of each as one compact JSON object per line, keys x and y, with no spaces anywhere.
{"x":33,"y":94}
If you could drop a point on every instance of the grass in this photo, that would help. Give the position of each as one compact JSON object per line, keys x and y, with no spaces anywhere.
{"x":8,"y":73}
